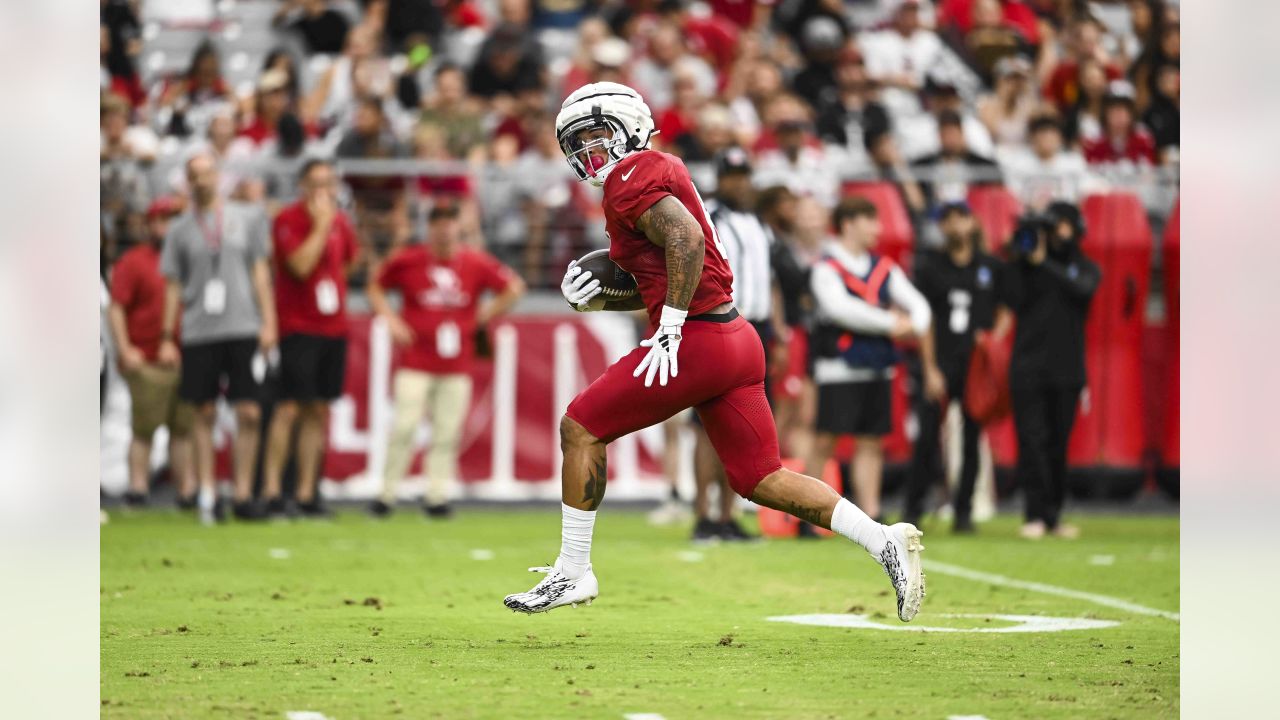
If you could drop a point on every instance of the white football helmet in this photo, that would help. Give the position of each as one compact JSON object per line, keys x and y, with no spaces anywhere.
{"x":614,"y":107}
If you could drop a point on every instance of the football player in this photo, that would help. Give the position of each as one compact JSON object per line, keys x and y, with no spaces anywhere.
{"x":701,"y":354}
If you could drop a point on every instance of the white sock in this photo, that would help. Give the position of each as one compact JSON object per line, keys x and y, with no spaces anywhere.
{"x":851,"y":522}
{"x":206,"y":498}
{"x":575,"y":540}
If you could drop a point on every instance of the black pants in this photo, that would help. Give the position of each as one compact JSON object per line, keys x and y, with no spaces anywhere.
{"x":1043,"y":416}
{"x":926,"y":460}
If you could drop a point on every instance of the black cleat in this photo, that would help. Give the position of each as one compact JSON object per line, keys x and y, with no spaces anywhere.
{"x":136,"y":500}
{"x":964,"y":526}
{"x":249,"y":511}
{"x":316,"y":510}
{"x":438,"y":512}
{"x":186,"y":504}
{"x":277,"y":509}
{"x":705,"y":531}
{"x":731,"y":531}
{"x":379,"y":509}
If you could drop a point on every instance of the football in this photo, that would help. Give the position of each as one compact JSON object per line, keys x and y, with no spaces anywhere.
{"x":615,"y":283}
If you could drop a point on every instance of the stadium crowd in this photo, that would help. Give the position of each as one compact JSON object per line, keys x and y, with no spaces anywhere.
{"x":436,"y":118}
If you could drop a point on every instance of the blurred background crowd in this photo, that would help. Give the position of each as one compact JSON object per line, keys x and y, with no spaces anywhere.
{"x":428,"y":99}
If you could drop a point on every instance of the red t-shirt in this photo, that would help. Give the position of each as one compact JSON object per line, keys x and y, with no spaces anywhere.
{"x":1063,"y":85}
{"x":632,"y":187}
{"x":138,"y":287}
{"x":318,"y":304}
{"x":440,"y":299}
{"x":1139,"y":148}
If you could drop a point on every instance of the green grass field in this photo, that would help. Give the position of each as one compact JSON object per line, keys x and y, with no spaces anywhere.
{"x":363,"y":619}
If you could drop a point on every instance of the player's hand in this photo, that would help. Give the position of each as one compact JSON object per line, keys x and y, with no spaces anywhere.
{"x":581,"y":290}
{"x":935,"y":384}
{"x":401,"y":333}
{"x":902,"y":328}
{"x":267,"y":337}
{"x":169,"y":355}
{"x":1040,"y":253}
{"x":663,"y":347}
{"x":131,"y":359}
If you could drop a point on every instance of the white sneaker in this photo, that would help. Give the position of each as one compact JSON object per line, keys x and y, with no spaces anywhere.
{"x":901,"y":561}
{"x":555,"y":590}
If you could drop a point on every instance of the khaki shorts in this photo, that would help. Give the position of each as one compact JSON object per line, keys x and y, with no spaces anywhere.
{"x":154,"y":392}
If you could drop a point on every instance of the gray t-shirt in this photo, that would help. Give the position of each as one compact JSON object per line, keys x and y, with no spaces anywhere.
{"x":219,"y":249}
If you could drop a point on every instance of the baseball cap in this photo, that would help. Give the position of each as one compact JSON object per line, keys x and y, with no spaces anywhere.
{"x":732,"y":160}
{"x":1013,"y":65}
{"x":954,"y":206}
{"x":164,"y":206}
{"x":1120,"y":91}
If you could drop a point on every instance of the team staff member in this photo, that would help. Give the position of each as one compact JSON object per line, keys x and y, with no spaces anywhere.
{"x":215,"y":259}
{"x":440,"y":283}
{"x":748,"y":245}
{"x":314,"y":249}
{"x":1050,"y":286}
{"x":963,"y":286}
{"x":864,"y":304}
{"x":136,"y":318}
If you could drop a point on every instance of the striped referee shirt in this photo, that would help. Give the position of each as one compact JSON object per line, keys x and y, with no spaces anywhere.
{"x":747,"y":244}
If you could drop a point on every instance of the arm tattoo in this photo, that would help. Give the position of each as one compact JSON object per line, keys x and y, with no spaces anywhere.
{"x":812,"y":516}
{"x":669,"y":225}
{"x":596,"y":479}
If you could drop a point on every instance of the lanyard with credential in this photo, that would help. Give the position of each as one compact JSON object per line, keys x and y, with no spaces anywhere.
{"x":213,"y":238}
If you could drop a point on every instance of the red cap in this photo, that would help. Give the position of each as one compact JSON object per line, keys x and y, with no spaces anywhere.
{"x":165,"y":205}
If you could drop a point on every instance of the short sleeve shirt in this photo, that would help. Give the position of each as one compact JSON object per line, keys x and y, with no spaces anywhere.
{"x":138,"y":288}
{"x":440,"y":299}
{"x":317,"y":304}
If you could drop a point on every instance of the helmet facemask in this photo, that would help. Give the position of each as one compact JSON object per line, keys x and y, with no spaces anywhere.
{"x":579,"y":153}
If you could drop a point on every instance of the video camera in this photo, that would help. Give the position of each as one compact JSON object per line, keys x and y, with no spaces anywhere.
{"x":1032,"y":229}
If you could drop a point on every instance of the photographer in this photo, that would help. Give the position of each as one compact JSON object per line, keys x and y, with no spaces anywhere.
{"x":1049,"y":284}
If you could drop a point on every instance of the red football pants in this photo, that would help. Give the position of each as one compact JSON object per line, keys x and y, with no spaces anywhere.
{"x":722,"y":368}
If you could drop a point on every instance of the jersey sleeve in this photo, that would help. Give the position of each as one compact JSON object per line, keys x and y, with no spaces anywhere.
{"x":390,"y":272}
{"x":646,"y":181}
{"x":123,"y":283}
{"x":286,"y":235}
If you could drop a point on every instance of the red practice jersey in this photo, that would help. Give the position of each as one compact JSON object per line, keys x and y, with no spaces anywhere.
{"x":318,"y":304}
{"x":632,"y":187}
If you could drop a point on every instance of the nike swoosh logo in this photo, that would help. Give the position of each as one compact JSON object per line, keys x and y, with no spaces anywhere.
{"x":627,"y":174}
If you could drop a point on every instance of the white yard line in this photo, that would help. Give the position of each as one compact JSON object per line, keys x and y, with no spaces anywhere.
{"x":643,"y":716}
{"x":942,"y":568}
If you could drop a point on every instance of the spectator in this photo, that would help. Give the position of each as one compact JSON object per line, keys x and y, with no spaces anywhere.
{"x":560,"y":15}
{"x":323,"y":29}
{"x":963,"y":286}
{"x":1050,"y":286}
{"x":949,"y":173}
{"x":1007,"y":111}
{"x":450,"y":108}
{"x":712,"y":133}
{"x":186,"y":101}
{"x":864,"y":304}
{"x":1084,"y":45}
{"x":762,"y":85}
{"x":920,"y":134}
{"x":791,"y":16}
{"x":853,"y":111}
{"x":959,"y":14}
{"x":746,"y":14}
{"x":546,"y":190}
{"x":599,"y":57}
{"x":678,"y":120}
{"x":655,"y":73}
{"x":118,"y":47}
{"x":1123,"y":140}
{"x":404,"y":22}
{"x":282,"y":60}
{"x":215,"y":260}
{"x":440,"y":283}
{"x":799,"y":162}
{"x":360,"y":73}
{"x":888,"y":164}
{"x":232,"y":153}
{"x":709,"y":37}
{"x":1164,"y":48}
{"x":509,"y":63}
{"x":990,"y":39}
{"x":823,"y":40}
{"x":313,"y":250}
{"x":444,"y":176}
{"x":380,"y":200}
{"x":504,"y":211}
{"x":1162,"y":115}
{"x":271,"y":104}
{"x":747,"y":246}
{"x":122,"y":162}
{"x":1046,"y":171}
{"x":900,"y":57}
{"x":136,"y":317}
{"x":1084,"y":118}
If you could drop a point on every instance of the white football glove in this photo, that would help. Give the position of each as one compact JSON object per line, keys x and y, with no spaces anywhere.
{"x":663,"y":346}
{"x":581,"y":290}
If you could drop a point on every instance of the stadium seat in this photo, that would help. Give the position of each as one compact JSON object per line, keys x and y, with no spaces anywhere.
{"x":997,"y":211}
{"x":1169,"y":429}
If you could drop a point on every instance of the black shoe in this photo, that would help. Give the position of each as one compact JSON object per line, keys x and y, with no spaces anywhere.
{"x":277,"y":509}
{"x":731,"y":531}
{"x":186,"y":504}
{"x":249,"y":511}
{"x":136,"y":500}
{"x":964,"y":526}
{"x":315,"y":509}
{"x":379,"y":509}
{"x":705,"y":531}
{"x":439,"y":512}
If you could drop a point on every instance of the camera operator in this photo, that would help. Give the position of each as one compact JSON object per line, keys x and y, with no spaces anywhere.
{"x":1049,"y":285}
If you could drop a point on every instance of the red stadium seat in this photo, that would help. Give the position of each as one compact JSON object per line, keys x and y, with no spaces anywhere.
{"x":897,"y":237}
{"x":1170,"y":427}
{"x":997,"y":211}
